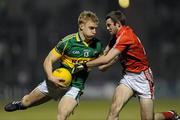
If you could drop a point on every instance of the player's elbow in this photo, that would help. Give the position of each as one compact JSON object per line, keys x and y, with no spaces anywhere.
{"x":101,"y":68}
{"x":45,"y":62}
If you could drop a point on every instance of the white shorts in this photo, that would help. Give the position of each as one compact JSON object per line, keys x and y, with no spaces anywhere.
{"x":140,"y":83}
{"x":49,"y":89}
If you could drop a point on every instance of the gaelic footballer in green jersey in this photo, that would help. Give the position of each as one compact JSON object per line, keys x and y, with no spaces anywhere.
{"x":72,"y":49}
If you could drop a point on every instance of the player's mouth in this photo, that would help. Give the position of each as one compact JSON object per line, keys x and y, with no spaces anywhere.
{"x":110,"y":32}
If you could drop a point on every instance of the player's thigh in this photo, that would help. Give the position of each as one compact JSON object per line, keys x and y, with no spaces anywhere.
{"x":147,"y":108}
{"x":35,"y":97}
{"x":121,"y":95}
{"x":66,"y":105}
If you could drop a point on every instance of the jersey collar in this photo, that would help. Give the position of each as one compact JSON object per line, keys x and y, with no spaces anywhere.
{"x":78,"y":38}
{"x":121,"y":30}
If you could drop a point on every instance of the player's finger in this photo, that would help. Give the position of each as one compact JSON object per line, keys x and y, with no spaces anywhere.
{"x":61,"y":85}
{"x":61,"y":80}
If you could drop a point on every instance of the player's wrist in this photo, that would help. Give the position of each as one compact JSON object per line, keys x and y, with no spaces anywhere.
{"x":85,"y":66}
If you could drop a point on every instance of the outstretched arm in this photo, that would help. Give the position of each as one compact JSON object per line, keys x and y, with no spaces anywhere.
{"x":104,"y":59}
{"x":106,"y":66}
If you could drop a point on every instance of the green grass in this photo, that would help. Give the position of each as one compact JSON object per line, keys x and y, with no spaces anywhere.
{"x":87,"y":110}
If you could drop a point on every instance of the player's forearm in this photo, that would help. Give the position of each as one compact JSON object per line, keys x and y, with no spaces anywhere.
{"x":97,"y":62}
{"x":104,"y":59}
{"x":106,"y":66}
{"x":103,"y":67}
{"x":106,"y":50}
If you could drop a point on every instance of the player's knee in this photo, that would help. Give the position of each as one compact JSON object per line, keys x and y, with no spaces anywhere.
{"x":112,"y":116}
{"x":113,"y":113}
{"x":61,"y":117}
{"x":26,"y":101}
{"x":63,"y":113}
{"x":115,"y":109}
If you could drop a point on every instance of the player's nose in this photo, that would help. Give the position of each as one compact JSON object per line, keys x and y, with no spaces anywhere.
{"x":94,"y":31}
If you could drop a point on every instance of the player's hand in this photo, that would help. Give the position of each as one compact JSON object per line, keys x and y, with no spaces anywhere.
{"x":79,"y":67}
{"x":58,"y":82}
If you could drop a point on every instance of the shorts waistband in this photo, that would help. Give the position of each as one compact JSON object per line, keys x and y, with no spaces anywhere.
{"x":134,"y":73}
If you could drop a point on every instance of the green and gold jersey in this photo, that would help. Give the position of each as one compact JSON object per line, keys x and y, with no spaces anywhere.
{"x":74,"y":50}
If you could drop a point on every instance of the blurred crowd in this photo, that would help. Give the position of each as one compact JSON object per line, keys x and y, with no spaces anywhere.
{"x":30,"y":28}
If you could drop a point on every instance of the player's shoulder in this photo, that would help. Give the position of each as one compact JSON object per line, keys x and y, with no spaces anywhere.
{"x":65,"y":41}
{"x":69,"y":37}
{"x":96,"y":40}
{"x":97,"y":44}
{"x":129,"y":32}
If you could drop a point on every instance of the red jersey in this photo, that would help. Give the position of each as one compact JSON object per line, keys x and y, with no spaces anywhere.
{"x":133,"y":57}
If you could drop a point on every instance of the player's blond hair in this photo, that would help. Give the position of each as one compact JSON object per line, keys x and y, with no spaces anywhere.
{"x":87,"y":15}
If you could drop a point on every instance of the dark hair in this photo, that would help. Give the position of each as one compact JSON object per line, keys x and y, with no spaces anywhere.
{"x":117,"y":16}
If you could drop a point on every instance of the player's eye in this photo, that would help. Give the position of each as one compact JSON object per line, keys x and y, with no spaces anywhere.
{"x":92,"y":28}
{"x":108,"y":25}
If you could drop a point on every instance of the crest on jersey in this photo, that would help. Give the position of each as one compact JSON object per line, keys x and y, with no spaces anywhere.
{"x":86,"y":53}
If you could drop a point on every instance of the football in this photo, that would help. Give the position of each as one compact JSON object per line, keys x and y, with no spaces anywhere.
{"x":64,"y":74}
{"x":124,"y":3}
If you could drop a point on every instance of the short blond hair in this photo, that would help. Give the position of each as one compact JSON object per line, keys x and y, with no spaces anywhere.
{"x":87,"y":15}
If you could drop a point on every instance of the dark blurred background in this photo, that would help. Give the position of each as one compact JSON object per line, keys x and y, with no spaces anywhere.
{"x":29,"y":29}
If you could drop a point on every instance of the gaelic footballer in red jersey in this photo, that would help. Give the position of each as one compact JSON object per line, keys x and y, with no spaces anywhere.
{"x":132,"y":51}
{"x":137,"y":78}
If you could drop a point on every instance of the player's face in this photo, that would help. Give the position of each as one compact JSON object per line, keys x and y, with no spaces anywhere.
{"x":89,"y":29}
{"x":111,"y":26}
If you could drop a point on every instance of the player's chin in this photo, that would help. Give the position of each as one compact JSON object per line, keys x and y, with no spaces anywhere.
{"x":90,"y":37}
{"x":111,"y":32}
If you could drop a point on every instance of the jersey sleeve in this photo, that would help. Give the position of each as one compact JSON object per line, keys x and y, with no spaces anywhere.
{"x":61,"y":47}
{"x":99,"y":48}
{"x":123,"y":42}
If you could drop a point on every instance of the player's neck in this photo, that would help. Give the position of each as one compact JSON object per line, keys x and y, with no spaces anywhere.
{"x":82,"y":37}
{"x":120,"y":28}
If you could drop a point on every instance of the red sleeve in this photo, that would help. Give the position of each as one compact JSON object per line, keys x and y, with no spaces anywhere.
{"x":123,"y":42}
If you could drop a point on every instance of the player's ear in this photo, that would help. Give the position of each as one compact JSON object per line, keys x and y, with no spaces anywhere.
{"x":118,"y":24}
{"x":81,"y":26}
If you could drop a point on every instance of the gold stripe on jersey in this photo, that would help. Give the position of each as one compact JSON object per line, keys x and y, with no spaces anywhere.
{"x":79,"y":39}
{"x":69,"y":37}
{"x":56,"y":53}
{"x":65,"y":47}
{"x":71,"y":61}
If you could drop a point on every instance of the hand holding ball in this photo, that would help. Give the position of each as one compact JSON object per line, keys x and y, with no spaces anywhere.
{"x":64,"y":74}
